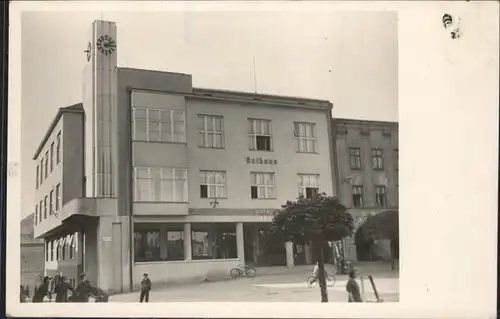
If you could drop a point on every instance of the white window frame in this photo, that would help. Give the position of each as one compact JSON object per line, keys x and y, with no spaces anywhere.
{"x":380,"y":190}
{"x":257,"y":128}
{"x":361,"y":192}
{"x":164,"y":179}
{"x":58,"y":196}
{"x":304,"y":139}
{"x":211,"y":133}
{"x":377,"y":159}
{"x":220,"y":188}
{"x":58,"y":148}
{"x":160,"y":122}
{"x":51,"y":202}
{"x":263,"y":190}
{"x":305,"y":182}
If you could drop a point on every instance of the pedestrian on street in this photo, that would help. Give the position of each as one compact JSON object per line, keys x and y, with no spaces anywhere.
{"x":61,"y":289}
{"x":352,"y":288}
{"x":145,"y":288}
{"x":84,"y":290}
{"x":42,"y":290}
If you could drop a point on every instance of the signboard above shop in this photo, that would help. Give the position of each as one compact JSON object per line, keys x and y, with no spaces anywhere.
{"x":260,"y":160}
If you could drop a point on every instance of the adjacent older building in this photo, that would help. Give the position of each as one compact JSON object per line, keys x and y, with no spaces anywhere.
{"x":366,"y":166}
{"x":151,"y":175}
{"x":32,"y":255}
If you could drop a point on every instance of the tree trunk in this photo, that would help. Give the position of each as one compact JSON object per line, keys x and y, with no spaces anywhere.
{"x":318,"y":245}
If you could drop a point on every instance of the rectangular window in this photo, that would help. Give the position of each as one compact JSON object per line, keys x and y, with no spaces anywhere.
{"x":355,"y":157}
{"x":160,"y":184}
{"x":210,"y":131}
{"x":36,"y":214}
{"x":58,"y":249}
{"x":37,"y":176}
{"x":262,"y":186}
{"x":377,"y":158}
{"x":357,"y":196}
{"x":40,"y":207}
{"x":51,"y":202}
{"x":305,"y":135}
{"x":64,"y":250}
{"x":396,"y":156}
{"x":308,"y":185}
{"x":51,"y":250}
{"x":46,"y":168}
{"x":45,"y":208}
{"x":58,"y":196}
{"x":212,"y":184}
{"x":380,"y":196}
{"x":152,"y":125}
{"x":146,"y":245}
{"x":58,"y":148}
{"x":260,"y":135}
{"x":213,"y":241}
{"x":47,"y":250}
{"x":41,"y":170}
{"x":174,"y":242}
{"x":52,"y":156}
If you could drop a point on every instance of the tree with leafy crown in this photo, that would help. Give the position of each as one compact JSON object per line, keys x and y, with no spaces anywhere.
{"x":318,"y":220}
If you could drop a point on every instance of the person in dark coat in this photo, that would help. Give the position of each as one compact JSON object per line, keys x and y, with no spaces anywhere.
{"x":145,"y":288}
{"x":61,"y":289}
{"x":352,"y":288}
{"x":22,"y":294}
{"x":84,"y":290}
{"x":42,"y":290}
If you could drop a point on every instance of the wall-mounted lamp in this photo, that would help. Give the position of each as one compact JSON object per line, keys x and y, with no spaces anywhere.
{"x":214,"y":203}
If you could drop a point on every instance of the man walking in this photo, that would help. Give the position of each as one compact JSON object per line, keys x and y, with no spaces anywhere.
{"x":352,"y":288}
{"x":42,"y":290}
{"x":145,"y":288}
{"x":61,"y":289}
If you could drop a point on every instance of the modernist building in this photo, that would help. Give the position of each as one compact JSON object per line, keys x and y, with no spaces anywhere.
{"x":366,"y":166}
{"x":149,"y":174}
{"x":32,"y":255}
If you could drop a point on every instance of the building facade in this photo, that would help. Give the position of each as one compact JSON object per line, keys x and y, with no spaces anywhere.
{"x":151,"y":175}
{"x":366,"y":166}
{"x":32,"y":255}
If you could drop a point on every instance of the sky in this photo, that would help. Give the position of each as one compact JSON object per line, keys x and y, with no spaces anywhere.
{"x":347,"y":57}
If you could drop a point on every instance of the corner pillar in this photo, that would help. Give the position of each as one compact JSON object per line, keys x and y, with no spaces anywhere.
{"x":187,"y":242}
{"x":240,"y":242}
{"x":289,"y":254}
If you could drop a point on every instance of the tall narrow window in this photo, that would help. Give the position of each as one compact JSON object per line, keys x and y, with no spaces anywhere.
{"x":380,"y":196}
{"x":212,"y":184}
{"x":46,"y":164}
{"x":42,"y":165}
{"x":58,"y":196}
{"x":259,"y":135}
{"x":51,"y":250}
{"x":51,"y":201}
{"x":357,"y":196}
{"x":36,"y":214}
{"x":37,"y":176}
{"x":210,"y":131}
{"x":40,"y":208}
{"x":58,"y":148}
{"x":377,"y":158}
{"x":355,"y":157}
{"x":45,"y":208}
{"x":308,"y":185}
{"x":46,"y":250}
{"x":305,"y":135}
{"x":262,"y":186}
{"x":52,"y":156}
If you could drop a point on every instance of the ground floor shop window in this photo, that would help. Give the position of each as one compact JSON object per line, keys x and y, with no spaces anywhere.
{"x":147,"y":245}
{"x":213,"y":241}
{"x":174,"y":242}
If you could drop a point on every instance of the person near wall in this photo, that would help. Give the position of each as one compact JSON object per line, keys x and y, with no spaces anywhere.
{"x":145,"y":288}
{"x":352,"y":288}
{"x":84,"y":290}
{"x":42,"y":290}
{"x":61,"y":289}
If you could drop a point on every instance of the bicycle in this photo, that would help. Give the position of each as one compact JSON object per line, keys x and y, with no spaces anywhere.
{"x":242,"y":270}
{"x":313,"y":281}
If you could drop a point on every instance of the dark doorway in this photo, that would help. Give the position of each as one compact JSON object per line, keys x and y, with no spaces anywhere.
{"x":364,"y":247}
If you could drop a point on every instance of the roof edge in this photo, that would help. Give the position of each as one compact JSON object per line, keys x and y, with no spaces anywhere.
{"x":75,"y":108}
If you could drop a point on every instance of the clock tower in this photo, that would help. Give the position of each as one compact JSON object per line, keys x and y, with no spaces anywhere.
{"x":100,"y":104}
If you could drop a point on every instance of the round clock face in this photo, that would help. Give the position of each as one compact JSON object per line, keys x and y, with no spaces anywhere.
{"x":106,"y":45}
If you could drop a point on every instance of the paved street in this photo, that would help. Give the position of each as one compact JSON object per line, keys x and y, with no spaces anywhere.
{"x":281,"y":287}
